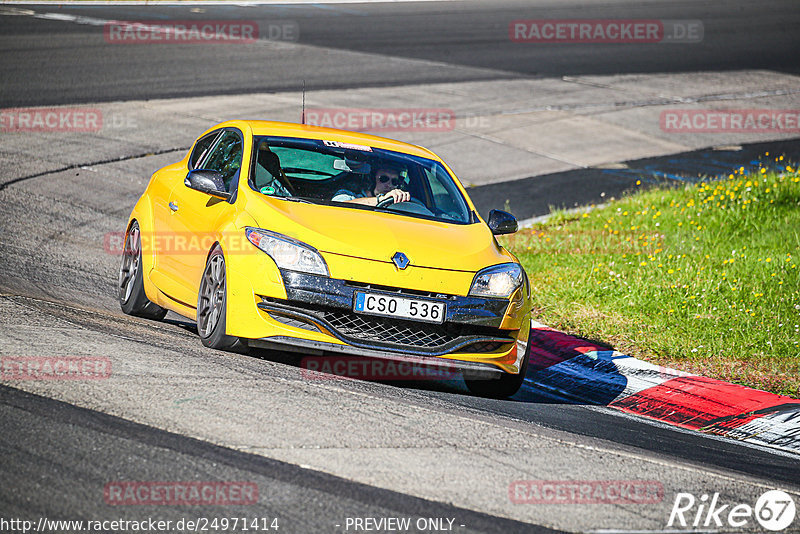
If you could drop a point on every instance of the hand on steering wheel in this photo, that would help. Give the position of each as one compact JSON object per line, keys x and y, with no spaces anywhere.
{"x":393,"y":196}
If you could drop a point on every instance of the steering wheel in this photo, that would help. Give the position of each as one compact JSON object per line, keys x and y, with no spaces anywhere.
{"x":411,"y":206}
{"x":388,"y":201}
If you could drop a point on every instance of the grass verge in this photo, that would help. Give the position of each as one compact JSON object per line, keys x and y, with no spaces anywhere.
{"x":702,"y":278}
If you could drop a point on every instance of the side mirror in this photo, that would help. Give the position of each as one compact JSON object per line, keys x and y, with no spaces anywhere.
{"x":208,"y":182}
{"x":501,"y":222}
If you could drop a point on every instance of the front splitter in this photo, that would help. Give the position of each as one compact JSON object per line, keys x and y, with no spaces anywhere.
{"x":469,"y":370}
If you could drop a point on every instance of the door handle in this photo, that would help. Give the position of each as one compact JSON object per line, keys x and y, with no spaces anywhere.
{"x":173,"y":206}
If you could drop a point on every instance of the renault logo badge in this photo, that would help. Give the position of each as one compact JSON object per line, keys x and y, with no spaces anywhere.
{"x":400,"y":260}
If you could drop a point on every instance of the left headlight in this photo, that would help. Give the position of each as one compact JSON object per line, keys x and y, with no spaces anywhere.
{"x":497,"y":281}
{"x":288,"y":253}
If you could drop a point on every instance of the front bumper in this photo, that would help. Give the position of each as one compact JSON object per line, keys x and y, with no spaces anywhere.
{"x":325,"y":304}
{"x":315,"y":313}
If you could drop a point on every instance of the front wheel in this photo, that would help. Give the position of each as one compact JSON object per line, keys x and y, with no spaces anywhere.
{"x":505,"y":386}
{"x":212,"y":307}
{"x":130,"y":289}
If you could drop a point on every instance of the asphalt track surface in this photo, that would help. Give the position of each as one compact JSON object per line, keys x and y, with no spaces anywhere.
{"x":308,"y":501}
{"x":53,"y":454}
{"x":48,"y":62}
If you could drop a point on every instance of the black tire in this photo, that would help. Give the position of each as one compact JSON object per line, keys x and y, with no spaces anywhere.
{"x":212,"y":305}
{"x":503,"y":387}
{"x":130,"y":289}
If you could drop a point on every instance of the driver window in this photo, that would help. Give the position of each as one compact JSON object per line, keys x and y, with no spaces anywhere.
{"x":201,"y":148}
{"x":226,"y":157}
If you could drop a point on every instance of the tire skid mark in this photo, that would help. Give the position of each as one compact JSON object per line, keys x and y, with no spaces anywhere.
{"x":13,"y":181}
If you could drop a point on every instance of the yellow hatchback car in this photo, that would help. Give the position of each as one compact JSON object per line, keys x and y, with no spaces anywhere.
{"x":294,"y":237}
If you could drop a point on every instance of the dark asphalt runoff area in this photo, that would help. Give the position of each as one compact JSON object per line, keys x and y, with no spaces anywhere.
{"x":585,"y":187}
{"x":55,"y":458}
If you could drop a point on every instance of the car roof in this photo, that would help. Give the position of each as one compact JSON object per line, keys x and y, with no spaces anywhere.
{"x":305,"y":131}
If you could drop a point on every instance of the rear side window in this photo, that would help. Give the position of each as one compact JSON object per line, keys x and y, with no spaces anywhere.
{"x":201,"y":148}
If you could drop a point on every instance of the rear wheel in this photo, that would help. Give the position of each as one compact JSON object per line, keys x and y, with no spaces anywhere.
{"x":212,"y":307}
{"x":131,"y":295}
{"x":505,"y":386}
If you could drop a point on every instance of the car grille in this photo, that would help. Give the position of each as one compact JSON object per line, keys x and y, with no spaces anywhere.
{"x":379,"y":330}
{"x":386,"y":332}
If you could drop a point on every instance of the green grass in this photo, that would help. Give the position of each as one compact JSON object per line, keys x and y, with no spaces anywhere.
{"x":703,"y":278}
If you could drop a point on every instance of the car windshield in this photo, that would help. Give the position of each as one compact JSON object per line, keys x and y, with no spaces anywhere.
{"x":335,"y":173}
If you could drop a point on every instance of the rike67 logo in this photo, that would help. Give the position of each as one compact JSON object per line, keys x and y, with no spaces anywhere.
{"x":773,"y":511}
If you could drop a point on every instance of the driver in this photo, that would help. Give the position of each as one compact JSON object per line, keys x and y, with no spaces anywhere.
{"x":385,"y":181}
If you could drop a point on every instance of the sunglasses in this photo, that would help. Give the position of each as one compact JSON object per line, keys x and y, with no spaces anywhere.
{"x":383,"y":178}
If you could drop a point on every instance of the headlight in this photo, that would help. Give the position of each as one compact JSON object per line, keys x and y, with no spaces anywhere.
{"x":497,"y":281}
{"x":288,"y":253}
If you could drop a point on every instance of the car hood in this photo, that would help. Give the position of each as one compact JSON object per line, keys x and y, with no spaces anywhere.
{"x":378,"y":236}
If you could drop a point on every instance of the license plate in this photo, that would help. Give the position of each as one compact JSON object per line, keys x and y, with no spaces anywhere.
{"x":402,"y":307}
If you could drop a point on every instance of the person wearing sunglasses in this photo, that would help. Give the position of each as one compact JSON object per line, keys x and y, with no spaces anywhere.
{"x":385,"y":183}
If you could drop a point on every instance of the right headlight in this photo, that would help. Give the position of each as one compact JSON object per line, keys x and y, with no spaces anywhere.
{"x":497,"y":281}
{"x":288,"y":253}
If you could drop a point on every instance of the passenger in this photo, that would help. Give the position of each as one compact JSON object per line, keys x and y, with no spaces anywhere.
{"x":384,"y":183}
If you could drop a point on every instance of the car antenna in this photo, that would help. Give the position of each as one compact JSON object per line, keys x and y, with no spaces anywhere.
{"x":303,"y":113}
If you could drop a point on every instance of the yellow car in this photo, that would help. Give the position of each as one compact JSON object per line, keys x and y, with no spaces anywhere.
{"x":295,"y":237}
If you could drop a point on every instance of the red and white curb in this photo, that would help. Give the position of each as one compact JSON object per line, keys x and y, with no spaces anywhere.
{"x":573,"y":369}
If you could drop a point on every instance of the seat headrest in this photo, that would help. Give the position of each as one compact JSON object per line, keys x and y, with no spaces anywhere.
{"x":270,"y":161}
